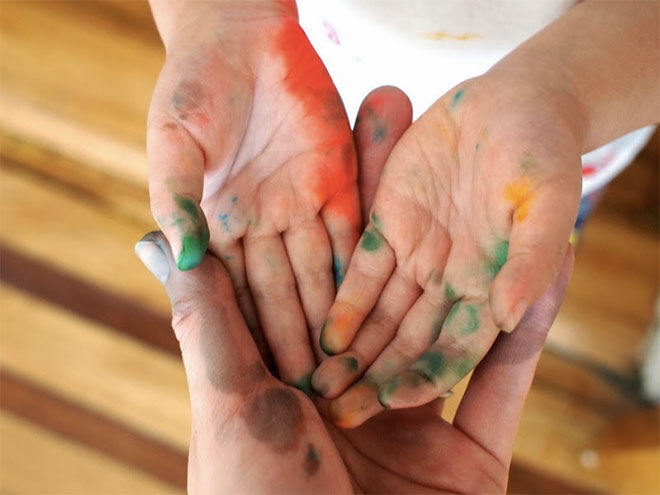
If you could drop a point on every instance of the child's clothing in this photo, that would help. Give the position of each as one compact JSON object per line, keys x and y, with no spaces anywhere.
{"x":426,"y":47}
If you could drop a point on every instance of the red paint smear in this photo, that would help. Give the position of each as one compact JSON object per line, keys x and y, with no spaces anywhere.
{"x":331,"y":32}
{"x":587,"y":171}
{"x":308,"y":81}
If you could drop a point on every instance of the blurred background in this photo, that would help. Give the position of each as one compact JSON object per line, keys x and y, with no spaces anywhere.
{"x":92,"y":395}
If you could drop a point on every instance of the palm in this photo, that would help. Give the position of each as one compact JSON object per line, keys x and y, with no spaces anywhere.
{"x":423,"y":297}
{"x":276,"y":165}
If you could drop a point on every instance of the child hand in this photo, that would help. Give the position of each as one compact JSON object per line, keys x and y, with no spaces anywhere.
{"x":250,"y":151}
{"x":469,"y":226}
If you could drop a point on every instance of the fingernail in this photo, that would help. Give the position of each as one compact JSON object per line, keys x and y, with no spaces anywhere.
{"x":446,"y":395}
{"x":154,"y":259}
{"x":193,"y":244}
{"x":516,"y":315}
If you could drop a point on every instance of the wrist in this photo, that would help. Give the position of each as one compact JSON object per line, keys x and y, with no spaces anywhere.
{"x":174,"y":17}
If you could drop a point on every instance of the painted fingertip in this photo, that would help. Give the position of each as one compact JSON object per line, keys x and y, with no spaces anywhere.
{"x":195,"y":241}
{"x":323,"y":340}
{"x":319,"y":385}
{"x":153,"y":257}
{"x":386,"y":391}
{"x":516,"y":315}
{"x":193,"y":248}
{"x":304,"y":384}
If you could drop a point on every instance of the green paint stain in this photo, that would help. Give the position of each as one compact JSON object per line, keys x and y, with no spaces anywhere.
{"x":379,"y":134}
{"x":472,"y":323}
{"x":351,"y":364}
{"x":338,"y":270}
{"x":386,"y":391}
{"x":500,"y":254}
{"x":450,"y":293}
{"x":477,"y":146}
{"x":435,"y":330}
{"x":370,"y":240}
{"x":304,"y":383}
{"x":431,"y":364}
{"x":375,"y":219}
{"x":196,"y":240}
{"x":457,"y":97}
{"x":527,"y":162}
{"x":464,"y":367}
{"x":452,"y":313}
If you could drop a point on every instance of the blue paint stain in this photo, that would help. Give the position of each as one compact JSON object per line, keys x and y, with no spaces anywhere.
{"x":234,"y":200}
{"x":338,"y":269}
{"x":224,"y":218}
{"x":477,"y":147}
{"x":457,"y":97}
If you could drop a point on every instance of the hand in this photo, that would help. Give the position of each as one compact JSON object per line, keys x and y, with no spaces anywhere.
{"x":469,"y":226}
{"x":252,"y":433}
{"x":246,"y":122}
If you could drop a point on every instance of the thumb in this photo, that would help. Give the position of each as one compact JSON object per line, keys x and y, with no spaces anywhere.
{"x":218,"y":352}
{"x":176,"y":179}
{"x":384,"y":115}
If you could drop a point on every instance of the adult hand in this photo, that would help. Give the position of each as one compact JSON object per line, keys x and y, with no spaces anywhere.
{"x":469,"y":226}
{"x":250,"y":151}
{"x":252,"y":433}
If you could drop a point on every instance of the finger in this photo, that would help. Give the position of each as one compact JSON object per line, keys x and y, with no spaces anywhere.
{"x":341,"y":217}
{"x":359,"y":403}
{"x":274,"y":289}
{"x":234,"y":261}
{"x":337,"y":373}
{"x":309,"y":251}
{"x":384,"y":115}
{"x":466,"y":335}
{"x":176,"y":176}
{"x":537,"y":246}
{"x":491,"y":407}
{"x":218,"y":353}
{"x":370,"y":268}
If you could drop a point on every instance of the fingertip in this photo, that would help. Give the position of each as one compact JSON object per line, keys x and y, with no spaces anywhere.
{"x":192,"y":251}
{"x":152,"y":256}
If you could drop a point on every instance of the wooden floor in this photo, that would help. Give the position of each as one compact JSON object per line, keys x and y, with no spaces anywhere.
{"x":93,"y":395}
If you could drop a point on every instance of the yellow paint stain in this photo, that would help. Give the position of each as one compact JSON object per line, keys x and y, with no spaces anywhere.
{"x":443,"y":35}
{"x":444,"y":132}
{"x":520,"y":194}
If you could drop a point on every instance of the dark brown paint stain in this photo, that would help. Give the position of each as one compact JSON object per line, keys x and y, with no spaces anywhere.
{"x":188,"y":97}
{"x":275,"y":417}
{"x":312,"y":460}
{"x":225,"y":368}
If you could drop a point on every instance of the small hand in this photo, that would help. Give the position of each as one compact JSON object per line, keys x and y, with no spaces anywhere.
{"x":251,"y":433}
{"x":246,"y":122}
{"x":469,"y":226}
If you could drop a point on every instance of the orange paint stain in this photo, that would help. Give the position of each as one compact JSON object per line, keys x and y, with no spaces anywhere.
{"x":308,"y":82}
{"x":343,"y":318}
{"x":519,"y":194}
{"x":443,"y":35}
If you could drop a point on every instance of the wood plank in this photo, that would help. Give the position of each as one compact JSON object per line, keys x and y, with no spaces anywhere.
{"x":78,"y":235}
{"x":85,"y":427}
{"x":87,"y":300}
{"x":56,"y":86}
{"x":35,"y":460}
{"x":95,"y":367}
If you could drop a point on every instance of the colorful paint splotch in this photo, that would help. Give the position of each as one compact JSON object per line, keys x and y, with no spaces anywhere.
{"x":519,"y":193}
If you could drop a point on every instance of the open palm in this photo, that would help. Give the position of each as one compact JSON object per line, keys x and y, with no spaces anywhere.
{"x":246,"y":122}
{"x":469,"y":226}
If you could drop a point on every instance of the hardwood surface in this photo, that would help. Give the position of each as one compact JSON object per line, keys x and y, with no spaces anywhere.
{"x":92,"y":392}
